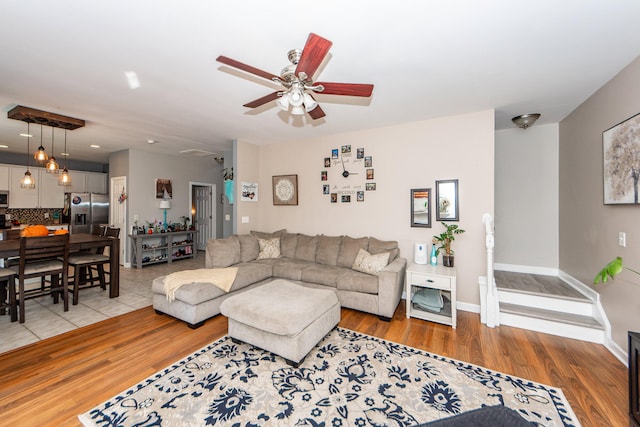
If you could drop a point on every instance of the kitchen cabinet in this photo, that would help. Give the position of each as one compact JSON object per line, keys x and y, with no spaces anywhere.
{"x":87,"y":182}
{"x":4,"y":178}
{"x":47,"y":194}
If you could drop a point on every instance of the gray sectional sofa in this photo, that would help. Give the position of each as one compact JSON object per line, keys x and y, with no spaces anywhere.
{"x":314,"y":261}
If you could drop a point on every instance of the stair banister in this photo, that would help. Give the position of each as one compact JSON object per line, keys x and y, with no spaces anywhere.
{"x":492,"y":308}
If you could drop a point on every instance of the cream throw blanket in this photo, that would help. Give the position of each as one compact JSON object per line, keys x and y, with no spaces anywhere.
{"x":221,"y":277}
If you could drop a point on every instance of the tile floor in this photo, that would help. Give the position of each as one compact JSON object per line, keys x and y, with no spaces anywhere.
{"x":45,"y":319}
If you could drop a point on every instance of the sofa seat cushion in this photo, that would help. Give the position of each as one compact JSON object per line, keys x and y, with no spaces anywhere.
{"x":250,"y":273}
{"x":326,"y":275}
{"x":290,"y":268}
{"x":192,"y":294}
{"x":354,"y":281}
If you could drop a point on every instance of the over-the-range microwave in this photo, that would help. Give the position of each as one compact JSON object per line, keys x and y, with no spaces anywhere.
{"x":4,"y":199}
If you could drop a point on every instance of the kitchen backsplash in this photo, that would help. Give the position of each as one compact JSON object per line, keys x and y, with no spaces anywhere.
{"x":34,"y":216}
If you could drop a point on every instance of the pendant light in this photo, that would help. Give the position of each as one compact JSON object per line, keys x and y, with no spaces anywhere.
{"x":65,"y":178}
{"x":40,"y":155}
{"x":52,"y":165}
{"x":27,"y":181}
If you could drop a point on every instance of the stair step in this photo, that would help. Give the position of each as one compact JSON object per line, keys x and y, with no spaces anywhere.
{"x":581,"y":306}
{"x":536,"y":284}
{"x":551,"y":315}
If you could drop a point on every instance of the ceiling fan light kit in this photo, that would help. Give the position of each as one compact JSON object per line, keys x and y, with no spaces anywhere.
{"x":297,"y":82}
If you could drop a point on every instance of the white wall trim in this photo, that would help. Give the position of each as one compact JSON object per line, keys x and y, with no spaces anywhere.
{"x":515,"y":268}
{"x":465,"y":306}
{"x":617,"y":351}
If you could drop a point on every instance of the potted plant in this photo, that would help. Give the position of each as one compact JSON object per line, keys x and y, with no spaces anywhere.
{"x":611,"y":270}
{"x":445,"y":239}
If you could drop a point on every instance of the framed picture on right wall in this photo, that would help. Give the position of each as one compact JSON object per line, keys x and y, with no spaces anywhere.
{"x":447,"y":198}
{"x":621,"y":162}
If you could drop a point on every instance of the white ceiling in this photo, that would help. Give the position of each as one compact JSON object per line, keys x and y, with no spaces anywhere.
{"x":426,"y":59}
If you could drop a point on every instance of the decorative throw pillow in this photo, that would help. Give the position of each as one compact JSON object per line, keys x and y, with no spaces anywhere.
{"x":269,"y":248}
{"x":370,"y":264}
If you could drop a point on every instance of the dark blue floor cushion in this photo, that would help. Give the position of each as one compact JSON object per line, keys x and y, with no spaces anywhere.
{"x":488,"y":416}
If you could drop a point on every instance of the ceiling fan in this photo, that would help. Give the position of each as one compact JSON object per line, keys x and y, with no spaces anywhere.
{"x":296,"y":80}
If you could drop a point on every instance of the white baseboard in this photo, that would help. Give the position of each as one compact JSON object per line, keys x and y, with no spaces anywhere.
{"x":465,"y":306}
{"x":545,"y":271}
{"x":618,"y":352}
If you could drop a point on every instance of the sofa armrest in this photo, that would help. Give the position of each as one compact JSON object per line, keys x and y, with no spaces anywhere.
{"x":390,"y":286}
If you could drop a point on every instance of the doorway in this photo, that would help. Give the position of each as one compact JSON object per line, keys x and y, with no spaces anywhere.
{"x":118,"y":211}
{"x":203,"y":212}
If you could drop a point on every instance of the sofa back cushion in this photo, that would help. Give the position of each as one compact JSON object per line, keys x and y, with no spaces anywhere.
{"x":222,"y":253}
{"x":249,"y":248}
{"x":306,"y":248}
{"x":267,"y":236}
{"x":288,"y":245}
{"x":379,"y":246}
{"x":328,"y":249}
{"x":349,"y":250}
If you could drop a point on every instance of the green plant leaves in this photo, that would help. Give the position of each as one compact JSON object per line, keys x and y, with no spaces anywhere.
{"x":610,"y":270}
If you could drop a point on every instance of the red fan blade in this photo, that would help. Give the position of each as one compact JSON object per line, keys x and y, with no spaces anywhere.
{"x":317,"y":113}
{"x":351,"y":89}
{"x":261,"y":101}
{"x":244,"y":67}
{"x":313,"y":54}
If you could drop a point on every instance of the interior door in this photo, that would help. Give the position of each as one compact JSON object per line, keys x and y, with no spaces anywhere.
{"x":203,"y":197}
{"x":118,"y":211}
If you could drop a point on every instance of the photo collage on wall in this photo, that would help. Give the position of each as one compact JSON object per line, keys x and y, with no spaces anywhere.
{"x":347,"y":175}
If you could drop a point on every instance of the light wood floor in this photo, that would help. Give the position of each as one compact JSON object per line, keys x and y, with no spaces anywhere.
{"x":50,"y":382}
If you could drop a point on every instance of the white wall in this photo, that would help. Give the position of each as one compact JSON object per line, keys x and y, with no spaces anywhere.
{"x":526,"y":176}
{"x":412,"y":155}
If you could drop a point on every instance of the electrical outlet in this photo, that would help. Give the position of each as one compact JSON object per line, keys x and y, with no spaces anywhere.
{"x":46,"y":215}
{"x":622,"y":239}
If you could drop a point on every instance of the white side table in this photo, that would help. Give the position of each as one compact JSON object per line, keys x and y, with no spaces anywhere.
{"x":420,"y":276}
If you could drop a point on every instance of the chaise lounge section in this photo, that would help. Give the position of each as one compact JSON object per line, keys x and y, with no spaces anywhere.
{"x":366,"y":273}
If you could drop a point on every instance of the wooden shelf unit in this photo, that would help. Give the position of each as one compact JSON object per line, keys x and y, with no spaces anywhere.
{"x":155,"y":248}
{"x":420,"y":276}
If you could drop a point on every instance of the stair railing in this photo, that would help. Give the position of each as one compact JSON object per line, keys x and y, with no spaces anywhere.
{"x":491,"y":310}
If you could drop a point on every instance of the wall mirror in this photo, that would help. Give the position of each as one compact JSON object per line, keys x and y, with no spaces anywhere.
{"x":421,"y":207}
{"x":447,"y":200}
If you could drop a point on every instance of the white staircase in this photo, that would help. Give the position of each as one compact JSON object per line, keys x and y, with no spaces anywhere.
{"x":547,"y":304}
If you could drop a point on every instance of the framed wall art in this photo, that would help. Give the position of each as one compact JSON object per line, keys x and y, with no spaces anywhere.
{"x":621,"y":162}
{"x":164,"y":189}
{"x":285,"y":190}
{"x":447,"y":199}
{"x":421,"y":207}
{"x":248,"y":192}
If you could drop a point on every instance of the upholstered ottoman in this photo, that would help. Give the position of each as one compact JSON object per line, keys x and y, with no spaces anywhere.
{"x":282,"y":317}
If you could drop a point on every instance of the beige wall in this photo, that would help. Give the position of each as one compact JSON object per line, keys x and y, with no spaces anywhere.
{"x":588,"y":228}
{"x":412,"y":155}
{"x":526,"y":175}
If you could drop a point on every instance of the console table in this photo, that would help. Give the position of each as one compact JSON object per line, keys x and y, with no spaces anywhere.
{"x":162,"y":247}
{"x":420,"y":276}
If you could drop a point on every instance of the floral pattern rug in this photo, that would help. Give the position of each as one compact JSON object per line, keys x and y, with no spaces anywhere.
{"x":348,"y":379}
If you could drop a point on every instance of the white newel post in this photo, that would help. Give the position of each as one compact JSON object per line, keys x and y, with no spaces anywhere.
{"x":489,"y":307}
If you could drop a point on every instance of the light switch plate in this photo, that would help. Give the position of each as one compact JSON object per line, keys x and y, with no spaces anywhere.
{"x":245,"y":220}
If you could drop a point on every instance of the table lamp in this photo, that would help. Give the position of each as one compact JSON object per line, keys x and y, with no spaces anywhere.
{"x":165,"y":204}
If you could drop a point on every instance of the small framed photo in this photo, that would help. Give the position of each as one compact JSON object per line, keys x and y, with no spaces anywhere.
{"x":334,"y":153}
{"x":323,"y":175}
{"x":248,"y":192}
{"x":369,"y":173}
{"x":334,"y":197}
{"x":360,"y":153}
{"x":346,"y":198}
{"x":325,"y":189}
{"x":370,"y":186}
{"x":346,"y":149}
{"x":368,"y":162}
{"x":360,"y":196}
{"x":327,"y":162}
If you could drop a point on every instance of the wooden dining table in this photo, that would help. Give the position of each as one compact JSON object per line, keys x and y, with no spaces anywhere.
{"x":79,"y":242}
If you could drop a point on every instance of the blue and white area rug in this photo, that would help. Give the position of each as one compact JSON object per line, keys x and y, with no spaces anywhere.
{"x":348,"y":379}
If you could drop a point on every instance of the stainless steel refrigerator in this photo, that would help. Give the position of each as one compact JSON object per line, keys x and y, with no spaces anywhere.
{"x":84,"y":210}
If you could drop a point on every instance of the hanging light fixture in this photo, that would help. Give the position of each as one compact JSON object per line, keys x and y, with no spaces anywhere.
{"x":298,"y":99}
{"x":65,"y":178}
{"x":40,"y":155}
{"x":27,"y":181}
{"x":525,"y":120}
{"x":52,"y":165}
